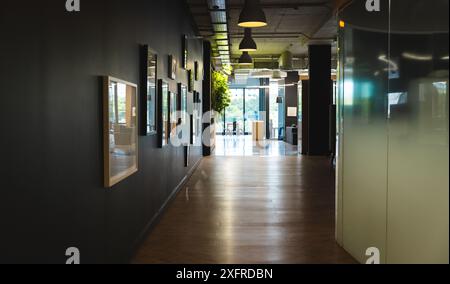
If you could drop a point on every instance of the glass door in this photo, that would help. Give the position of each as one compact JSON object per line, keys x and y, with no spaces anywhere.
{"x":234,"y":114}
{"x":276,"y":110}
{"x":251,"y":109}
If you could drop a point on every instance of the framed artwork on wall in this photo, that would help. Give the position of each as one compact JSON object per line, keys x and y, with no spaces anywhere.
{"x":173,"y":110}
{"x":120,"y":130}
{"x":184,"y":115}
{"x":184,"y":52}
{"x":191,"y":80}
{"x":163,"y":113}
{"x":196,"y":97}
{"x":183,"y":91}
{"x":198,"y":111}
{"x":173,"y":67}
{"x":187,"y":154}
{"x":192,"y":129}
{"x":148,"y":90}
{"x":196,"y":71}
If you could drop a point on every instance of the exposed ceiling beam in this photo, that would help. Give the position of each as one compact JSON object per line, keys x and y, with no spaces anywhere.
{"x":279,"y":35}
{"x":285,"y":5}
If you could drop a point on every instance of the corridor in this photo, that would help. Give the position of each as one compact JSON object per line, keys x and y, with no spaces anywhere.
{"x":262,"y":210}
{"x":225,"y":132}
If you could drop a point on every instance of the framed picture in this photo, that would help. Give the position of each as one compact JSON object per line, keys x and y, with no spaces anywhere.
{"x":183,"y":91}
{"x":173,"y":119}
{"x":196,"y":97}
{"x":173,"y":67}
{"x":184,"y":115}
{"x":196,"y":71}
{"x":148,"y":90}
{"x":163,"y":113}
{"x":187,"y":154}
{"x":197,"y":123}
{"x":120,"y":130}
{"x":192,"y":129}
{"x":191,"y":80}
{"x":184,"y":52}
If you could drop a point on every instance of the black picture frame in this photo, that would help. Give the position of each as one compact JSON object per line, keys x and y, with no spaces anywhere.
{"x":173,"y":119}
{"x":148,"y":91}
{"x":183,"y":101}
{"x":197,"y":117}
{"x":184,"y":52}
{"x":163,"y":113}
{"x":187,"y":154}
{"x":192,"y":129}
{"x":196,"y":98}
{"x":173,"y":67}
{"x":196,"y":71}
{"x":184,"y":115}
{"x":191,"y":80}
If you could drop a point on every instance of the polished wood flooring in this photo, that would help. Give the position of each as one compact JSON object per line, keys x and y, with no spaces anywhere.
{"x":250,"y":210}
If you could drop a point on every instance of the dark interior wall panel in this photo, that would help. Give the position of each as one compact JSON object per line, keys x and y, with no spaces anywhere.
{"x":305,"y":118}
{"x":320,"y":99}
{"x":51,"y":192}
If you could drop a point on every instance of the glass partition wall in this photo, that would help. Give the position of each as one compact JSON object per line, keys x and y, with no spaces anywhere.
{"x":393,"y":159}
{"x":249,"y":105}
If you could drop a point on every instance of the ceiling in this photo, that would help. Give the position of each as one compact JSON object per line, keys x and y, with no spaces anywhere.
{"x":292,"y":24}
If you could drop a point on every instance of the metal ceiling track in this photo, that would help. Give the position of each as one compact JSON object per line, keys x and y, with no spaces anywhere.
{"x":221,"y":44}
{"x":285,"y":5}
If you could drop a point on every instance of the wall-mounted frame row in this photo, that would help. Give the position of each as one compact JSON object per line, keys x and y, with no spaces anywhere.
{"x":161,"y":113}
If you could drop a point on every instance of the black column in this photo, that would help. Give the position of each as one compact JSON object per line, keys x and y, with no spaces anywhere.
{"x":206,"y":96}
{"x":305,"y":118}
{"x":320,"y":99}
{"x":291,"y":97}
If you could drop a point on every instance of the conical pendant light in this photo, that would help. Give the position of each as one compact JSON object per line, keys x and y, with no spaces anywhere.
{"x":248,"y":44}
{"x":252,"y":16}
{"x":246,"y":59}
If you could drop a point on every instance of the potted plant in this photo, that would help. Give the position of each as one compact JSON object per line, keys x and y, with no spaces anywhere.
{"x":221,"y":95}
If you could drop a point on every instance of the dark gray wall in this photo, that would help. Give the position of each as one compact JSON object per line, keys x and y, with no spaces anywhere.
{"x":51,"y":193}
{"x":305,"y":117}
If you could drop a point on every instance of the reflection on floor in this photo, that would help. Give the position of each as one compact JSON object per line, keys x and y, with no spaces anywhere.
{"x":250,"y":210}
{"x":245,"y":146}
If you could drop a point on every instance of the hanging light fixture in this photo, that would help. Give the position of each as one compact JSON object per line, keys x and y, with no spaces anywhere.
{"x":246,"y":59}
{"x":248,"y":43}
{"x":252,"y":16}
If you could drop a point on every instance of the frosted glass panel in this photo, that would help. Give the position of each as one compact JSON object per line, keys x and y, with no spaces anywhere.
{"x":393,"y":185}
{"x":363,"y":133}
{"x":418,"y":134}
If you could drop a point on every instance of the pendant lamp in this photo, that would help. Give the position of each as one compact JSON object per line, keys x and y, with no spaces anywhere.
{"x":246,"y":59}
{"x":248,"y":44}
{"x":252,"y":16}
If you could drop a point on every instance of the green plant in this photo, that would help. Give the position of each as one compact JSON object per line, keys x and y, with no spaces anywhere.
{"x":221,"y":95}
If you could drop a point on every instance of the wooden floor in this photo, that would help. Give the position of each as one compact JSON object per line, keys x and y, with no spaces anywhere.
{"x":250,"y":210}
